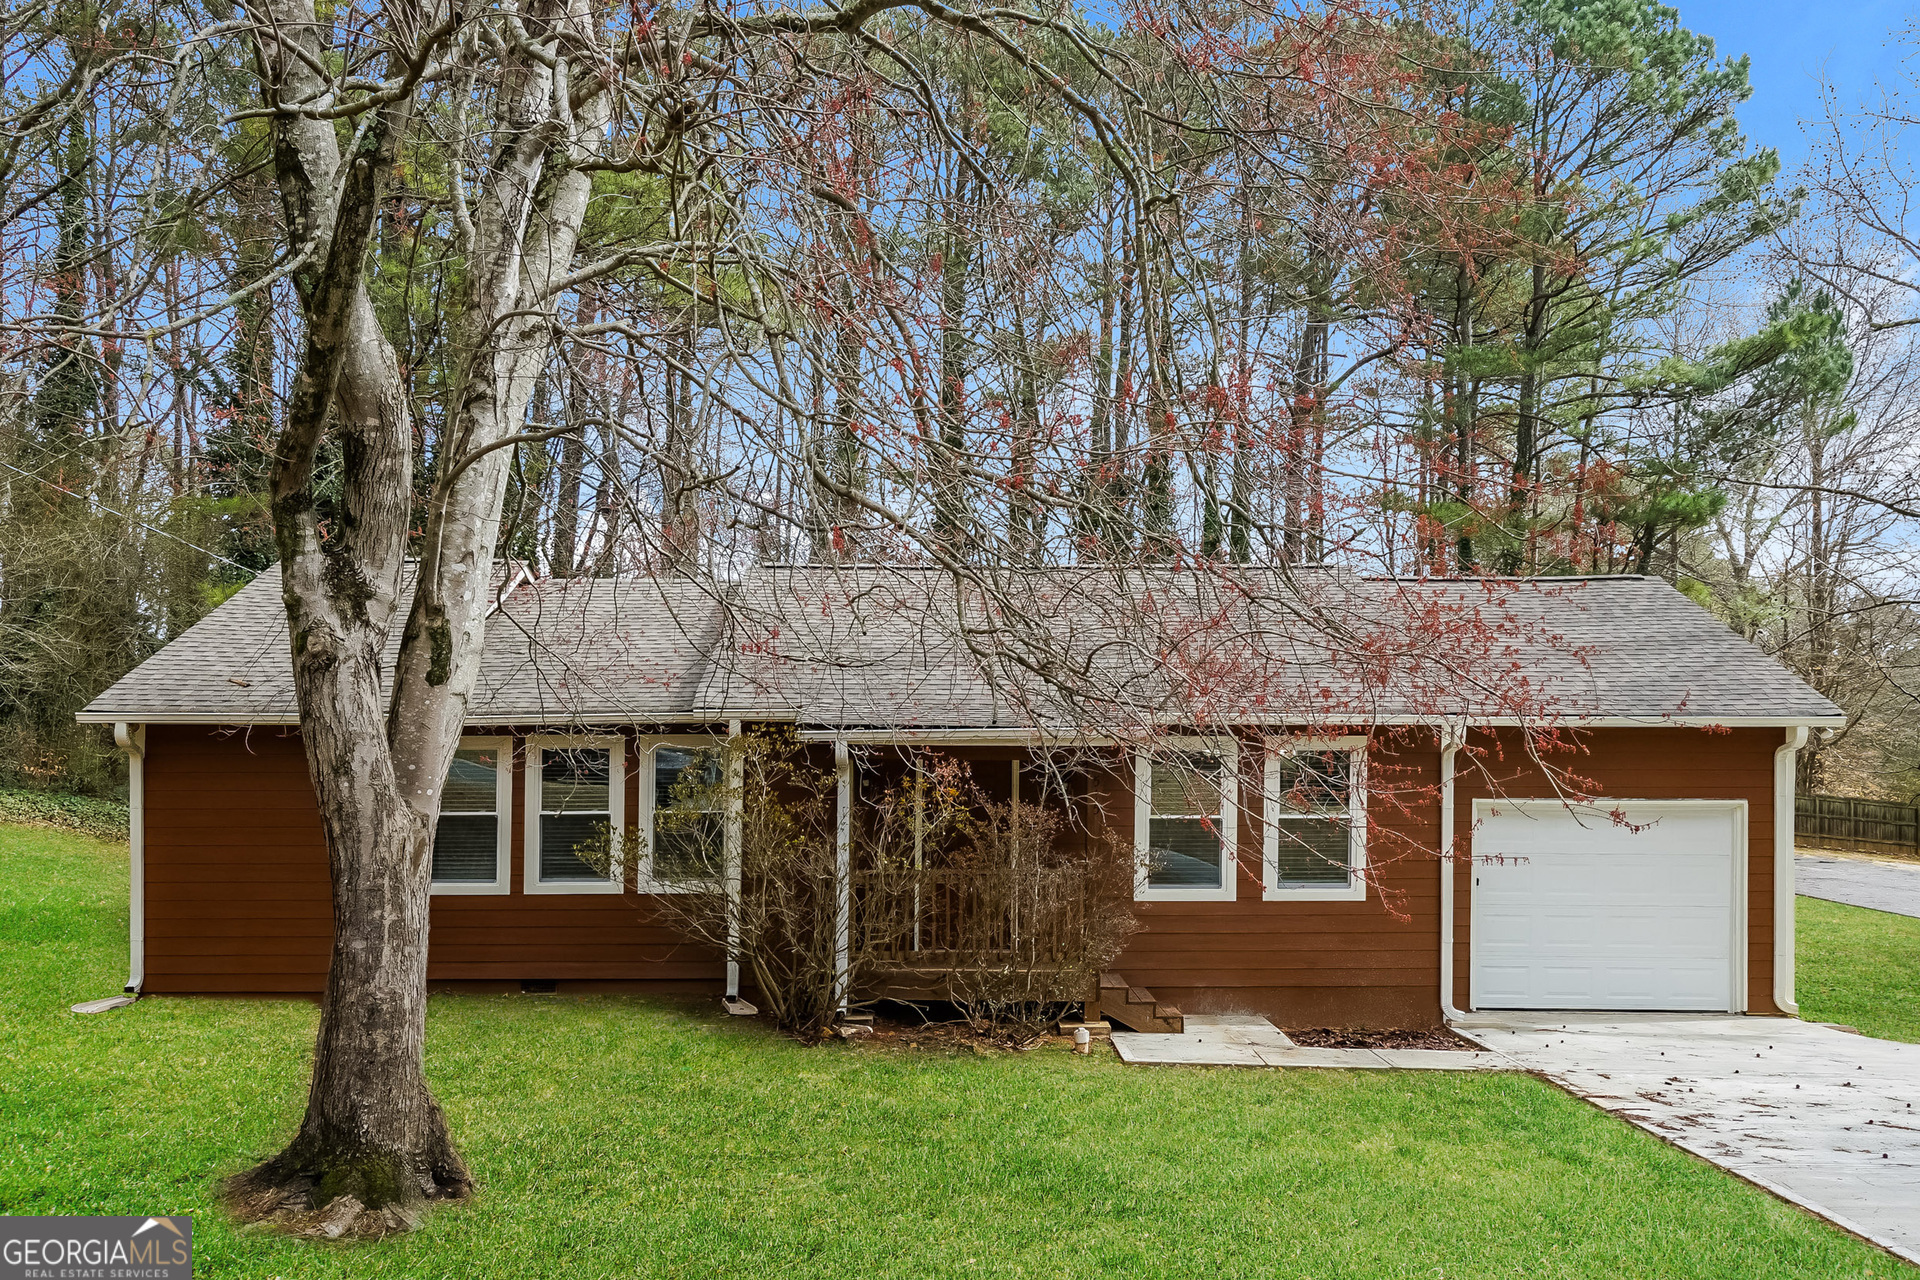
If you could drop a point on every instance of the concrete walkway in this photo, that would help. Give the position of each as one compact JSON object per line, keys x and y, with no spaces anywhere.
{"x":1239,"y":1040}
{"x":1827,"y":1120}
{"x":1859,"y":881}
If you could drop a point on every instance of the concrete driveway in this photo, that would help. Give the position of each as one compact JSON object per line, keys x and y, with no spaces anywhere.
{"x":1859,"y":881}
{"x":1828,"y":1120}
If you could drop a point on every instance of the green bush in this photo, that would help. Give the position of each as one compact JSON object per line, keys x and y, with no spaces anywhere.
{"x":106,"y":819}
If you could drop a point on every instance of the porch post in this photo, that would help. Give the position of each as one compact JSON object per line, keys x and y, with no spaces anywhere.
{"x":843,"y":869}
{"x":919,"y":838}
{"x":735,"y":802}
{"x":1013,"y":848}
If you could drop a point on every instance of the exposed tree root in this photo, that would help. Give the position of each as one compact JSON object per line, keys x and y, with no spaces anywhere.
{"x":361,"y":1196}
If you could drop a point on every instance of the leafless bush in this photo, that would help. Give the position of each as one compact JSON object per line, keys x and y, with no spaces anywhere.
{"x":1035,"y":907}
{"x":1009,"y":908}
{"x":774,"y":906}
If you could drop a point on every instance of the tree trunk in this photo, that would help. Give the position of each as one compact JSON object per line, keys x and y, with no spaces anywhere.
{"x":1304,"y":414}
{"x":373,"y":1138}
{"x":680,"y":535}
{"x":1023,"y":509}
{"x":1514,"y":556}
{"x":1156,"y":473}
{"x":1115,"y":533}
{"x":949,"y":483}
{"x":566,"y":554}
{"x":1091,"y":519}
{"x":1240,"y":479}
{"x":843,"y":447}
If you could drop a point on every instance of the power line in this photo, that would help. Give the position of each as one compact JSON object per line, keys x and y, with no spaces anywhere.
{"x":95,"y":502}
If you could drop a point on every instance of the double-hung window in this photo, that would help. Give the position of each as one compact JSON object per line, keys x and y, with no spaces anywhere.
{"x":1316,"y":827}
{"x":575,"y":795}
{"x":684,"y":805}
{"x":472,"y":845}
{"x":1184,"y":821}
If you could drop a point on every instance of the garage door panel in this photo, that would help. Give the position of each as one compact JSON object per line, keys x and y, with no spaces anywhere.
{"x":1498,"y":986}
{"x":1625,"y":984}
{"x":1567,"y":983}
{"x":1594,"y":914}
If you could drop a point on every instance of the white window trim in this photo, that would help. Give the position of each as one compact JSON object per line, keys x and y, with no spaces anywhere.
{"x":1355,"y":890}
{"x":1227,"y":751}
{"x":645,"y":747}
{"x":617,"y":807}
{"x":503,"y":827}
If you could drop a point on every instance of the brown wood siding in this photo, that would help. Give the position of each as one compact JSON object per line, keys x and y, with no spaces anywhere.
{"x":1635,"y":764}
{"x":239,"y":899}
{"x":1368,"y":963}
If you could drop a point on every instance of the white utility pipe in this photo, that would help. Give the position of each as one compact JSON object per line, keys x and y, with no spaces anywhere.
{"x":1785,"y":762}
{"x":132,"y":739}
{"x":1450,"y":742}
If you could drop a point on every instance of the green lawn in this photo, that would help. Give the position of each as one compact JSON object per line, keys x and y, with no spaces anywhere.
{"x":615,"y":1136}
{"x":1860,"y":968}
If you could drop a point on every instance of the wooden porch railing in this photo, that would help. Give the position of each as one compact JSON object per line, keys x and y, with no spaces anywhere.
{"x":937,"y":917}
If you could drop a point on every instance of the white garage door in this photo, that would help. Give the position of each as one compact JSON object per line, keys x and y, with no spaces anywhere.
{"x":1573,"y":910}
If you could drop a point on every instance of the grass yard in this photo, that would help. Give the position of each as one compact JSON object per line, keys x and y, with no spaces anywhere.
{"x":619,"y":1137}
{"x":1860,"y":968}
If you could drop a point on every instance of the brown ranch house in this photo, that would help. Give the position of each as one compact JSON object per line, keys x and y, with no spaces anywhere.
{"x":1668,"y":884}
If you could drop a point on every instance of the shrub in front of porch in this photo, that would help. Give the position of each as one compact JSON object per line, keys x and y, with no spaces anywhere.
{"x":997,"y":907}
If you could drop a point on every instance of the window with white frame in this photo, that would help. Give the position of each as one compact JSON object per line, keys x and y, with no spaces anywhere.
{"x":685,"y":807}
{"x":471,"y":845}
{"x":1184,"y":818}
{"x":574,"y":808}
{"x":1316,"y":827}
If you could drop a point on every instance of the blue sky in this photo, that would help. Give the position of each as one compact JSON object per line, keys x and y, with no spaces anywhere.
{"x":1791,"y":43}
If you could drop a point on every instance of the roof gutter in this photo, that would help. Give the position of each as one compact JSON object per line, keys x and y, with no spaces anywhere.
{"x":1785,"y":762}
{"x":132,"y":739}
{"x":957,"y":737}
{"x":722,"y":714}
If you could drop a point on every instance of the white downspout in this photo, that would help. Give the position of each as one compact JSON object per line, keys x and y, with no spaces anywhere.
{"x":1785,"y":762}
{"x":132,"y":739}
{"x":735,"y":807}
{"x":1450,"y":742}
{"x":843,"y":871}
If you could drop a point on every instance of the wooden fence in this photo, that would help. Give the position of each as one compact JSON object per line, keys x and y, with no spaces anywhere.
{"x":1870,"y":826}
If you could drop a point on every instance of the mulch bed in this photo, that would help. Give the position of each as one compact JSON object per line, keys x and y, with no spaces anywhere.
{"x":1385,"y":1038}
{"x":951,"y":1037}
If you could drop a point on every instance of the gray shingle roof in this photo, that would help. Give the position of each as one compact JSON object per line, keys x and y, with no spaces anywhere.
{"x":1079,"y":649}
{"x":558,"y":652}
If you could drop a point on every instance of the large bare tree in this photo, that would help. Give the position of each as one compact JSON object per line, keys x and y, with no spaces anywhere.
{"x":372,"y":1130}
{"x":351,"y":98}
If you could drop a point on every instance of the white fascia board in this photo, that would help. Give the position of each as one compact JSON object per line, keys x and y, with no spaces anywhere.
{"x":489,"y":722}
{"x":996,"y":737}
{"x":179,"y":717}
{"x":1581,"y":722}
